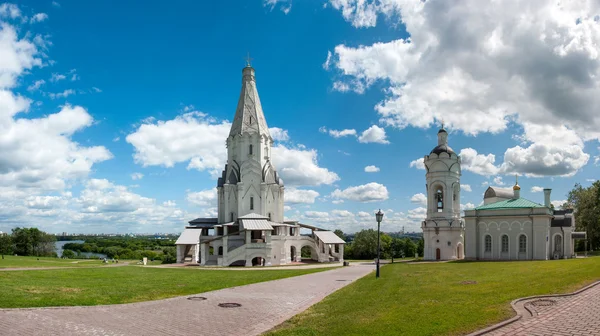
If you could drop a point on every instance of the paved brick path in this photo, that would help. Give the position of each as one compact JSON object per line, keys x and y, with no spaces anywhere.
{"x":567,"y":315}
{"x":264,"y":305}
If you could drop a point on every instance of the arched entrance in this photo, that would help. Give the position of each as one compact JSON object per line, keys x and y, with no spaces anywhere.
{"x":257,"y":261}
{"x":293,"y":253}
{"x":437,"y":254}
{"x":308,"y":252}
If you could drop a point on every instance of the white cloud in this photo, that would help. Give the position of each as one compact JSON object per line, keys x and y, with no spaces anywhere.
{"x":418,"y":163}
{"x":478,"y":163}
{"x":39,"y":17}
{"x":466,"y":187}
{"x":36,"y":85}
{"x":498,"y":181}
{"x":63,"y":94}
{"x":468,"y":206}
{"x":558,"y":204}
{"x":55,"y":4}
{"x":279,"y":134}
{"x":540,"y":71}
{"x":165,"y":143}
{"x":343,"y":133}
{"x":284,"y":5}
{"x":298,"y":166}
{"x":295,"y":196}
{"x":369,"y":192}
{"x":342,"y":213}
{"x":204,"y":198}
{"x":536,"y":189}
{"x":18,"y":55}
{"x":57,"y":77}
{"x":337,"y":201}
{"x":137,"y":176}
{"x":9,"y":10}
{"x":419,"y":198}
{"x":316,"y":214}
{"x":371,"y":169}
{"x":374,"y":134}
{"x":417,"y":214}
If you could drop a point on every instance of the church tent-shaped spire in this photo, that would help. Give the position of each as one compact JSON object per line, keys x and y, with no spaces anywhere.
{"x":249,"y":116}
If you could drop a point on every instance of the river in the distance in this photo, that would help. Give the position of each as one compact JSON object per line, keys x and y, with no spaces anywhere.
{"x":59,"y":249}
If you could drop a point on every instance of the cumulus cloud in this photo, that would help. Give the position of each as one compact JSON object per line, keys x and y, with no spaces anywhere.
{"x":343,"y":133}
{"x":419,"y":198}
{"x":417,"y":214}
{"x":279,"y":134}
{"x":374,"y":134}
{"x":369,"y":192}
{"x":536,"y":189}
{"x":418,"y":163}
{"x":371,"y":169}
{"x":498,"y":181}
{"x":558,"y":204}
{"x":468,"y":206}
{"x":36,"y":85}
{"x":478,"y":163}
{"x":203,"y":198}
{"x":466,"y":187}
{"x":540,"y":70}
{"x":295,"y":196}
{"x":299,"y":166}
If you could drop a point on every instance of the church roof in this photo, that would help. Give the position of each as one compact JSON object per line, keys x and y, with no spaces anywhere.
{"x":442,"y":149}
{"x":253,"y":216}
{"x":517,"y":203}
{"x":249,"y":116}
{"x":498,"y":192}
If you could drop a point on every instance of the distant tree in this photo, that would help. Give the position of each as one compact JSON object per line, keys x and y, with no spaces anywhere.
{"x":340,"y":234}
{"x":396,"y":248}
{"x":33,"y":242}
{"x":169,"y":255}
{"x":6,"y":246}
{"x":364,"y":245}
{"x":409,"y":247}
{"x":68,"y":254}
{"x":586,"y":205}
{"x":420,"y":246}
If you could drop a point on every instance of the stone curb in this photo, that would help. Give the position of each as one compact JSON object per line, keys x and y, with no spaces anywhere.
{"x":513,"y":304}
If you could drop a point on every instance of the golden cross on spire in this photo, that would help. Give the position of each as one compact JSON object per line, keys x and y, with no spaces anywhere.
{"x":248,"y":60}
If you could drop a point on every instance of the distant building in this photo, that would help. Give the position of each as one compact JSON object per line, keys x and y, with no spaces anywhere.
{"x":250,"y":229}
{"x":509,"y":227}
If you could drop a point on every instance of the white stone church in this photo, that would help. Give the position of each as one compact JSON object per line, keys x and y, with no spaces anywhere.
{"x":250,"y":229}
{"x":505,"y":227}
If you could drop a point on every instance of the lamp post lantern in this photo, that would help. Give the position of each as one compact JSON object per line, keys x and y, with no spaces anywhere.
{"x":378,"y":217}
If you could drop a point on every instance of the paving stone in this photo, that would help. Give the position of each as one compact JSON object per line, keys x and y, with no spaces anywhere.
{"x":264,"y":306}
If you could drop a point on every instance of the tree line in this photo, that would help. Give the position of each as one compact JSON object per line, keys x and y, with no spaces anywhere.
{"x":28,"y":242}
{"x":364,"y":246}
{"x":586,"y":205}
{"x":134,"y":248}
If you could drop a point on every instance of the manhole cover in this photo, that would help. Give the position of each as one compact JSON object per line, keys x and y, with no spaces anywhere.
{"x":469,"y":282}
{"x":229,"y":305}
{"x":543,"y":303}
{"x":196,"y":298}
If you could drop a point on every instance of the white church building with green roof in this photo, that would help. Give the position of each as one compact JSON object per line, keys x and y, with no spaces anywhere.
{"x":509,"y":227}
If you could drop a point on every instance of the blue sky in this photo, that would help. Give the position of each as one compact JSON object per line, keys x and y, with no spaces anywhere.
{"x":115,"y":114}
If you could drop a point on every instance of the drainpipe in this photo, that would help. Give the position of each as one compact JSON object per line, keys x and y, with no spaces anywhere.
{"x":531,"y":243}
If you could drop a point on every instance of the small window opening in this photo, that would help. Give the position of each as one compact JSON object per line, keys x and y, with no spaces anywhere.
{"x":440,"y":200}
{"x":251,"y":203}
{"x":231,"y":217}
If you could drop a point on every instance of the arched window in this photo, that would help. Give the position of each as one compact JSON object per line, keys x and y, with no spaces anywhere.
{"x":488,"y":243}
{"x":250,"y":150}
{"x":522,"y":244}
{"x":439,"y":197}
{"x":231,"y":217}
{"x":251,"y":203}
{"x":220,"y":250}
{"x":504,"y":243}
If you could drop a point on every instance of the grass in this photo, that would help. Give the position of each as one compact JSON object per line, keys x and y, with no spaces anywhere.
{"x":111,"y":285}
{"x":437,"y":298}
{"x":35,"y":262}
{"x":12,"y":261}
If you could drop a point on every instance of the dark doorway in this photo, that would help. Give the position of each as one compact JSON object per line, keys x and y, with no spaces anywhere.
{"x":293,"y":253}
{"x":437,"y":254}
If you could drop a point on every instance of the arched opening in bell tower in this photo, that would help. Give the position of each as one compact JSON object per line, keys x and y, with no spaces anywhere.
{"x":439,"y":198}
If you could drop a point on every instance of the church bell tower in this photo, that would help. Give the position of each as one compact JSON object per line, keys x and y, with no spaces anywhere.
{"x":443,"y":229}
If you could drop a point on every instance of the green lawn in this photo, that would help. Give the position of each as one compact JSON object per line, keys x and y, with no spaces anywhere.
{"x":110,"y":285}
{"x":12,"y":261}
{"x":437,"y":298}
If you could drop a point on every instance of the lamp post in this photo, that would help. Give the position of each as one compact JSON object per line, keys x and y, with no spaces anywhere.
{"x":378,"y":217}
